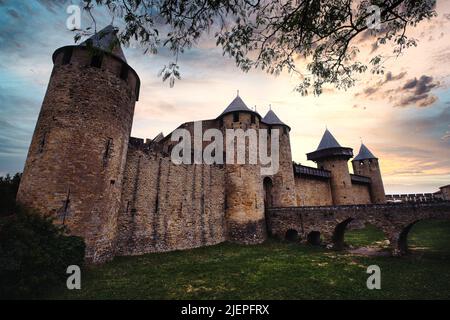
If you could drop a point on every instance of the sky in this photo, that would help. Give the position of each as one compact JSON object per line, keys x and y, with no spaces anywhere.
{"x":402,"y":116}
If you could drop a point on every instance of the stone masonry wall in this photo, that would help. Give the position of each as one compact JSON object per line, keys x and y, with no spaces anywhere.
{"x":77,"y":155}
{"x":395,"y":220}
{"x":341,"y":185}
{"x":283,"y":181}
{"x":169,"y":207}
{"x":361,"y":194}
{"x":371,"y":168}
{"x":313,"y":192}
{"x":244,"y":191}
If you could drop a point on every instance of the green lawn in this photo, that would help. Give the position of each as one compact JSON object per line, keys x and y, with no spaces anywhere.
{"x":369,"y":236}
{"x":277,"y":270}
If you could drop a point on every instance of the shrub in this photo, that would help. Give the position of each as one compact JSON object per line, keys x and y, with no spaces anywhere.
{"x":34,"y":255}
{"x":8,"y":191}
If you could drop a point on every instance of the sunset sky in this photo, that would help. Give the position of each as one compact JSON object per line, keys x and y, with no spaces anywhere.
{"x":402,"y":116}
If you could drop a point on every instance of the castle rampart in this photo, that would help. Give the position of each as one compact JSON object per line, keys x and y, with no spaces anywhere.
{"x":126,"y":196}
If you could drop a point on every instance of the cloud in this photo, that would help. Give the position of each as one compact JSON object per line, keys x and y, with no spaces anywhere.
{"x":446,"y":135}
{"x":417,"y":92}
{"x":13,"y":13}
{"x":389,"y":77}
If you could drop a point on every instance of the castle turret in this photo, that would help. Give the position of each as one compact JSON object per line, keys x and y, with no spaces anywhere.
{"x":334,"y":158}
{"x":283,"y":184}
{"x":366,"y":164}
{"x":244,"y":209}
{"x":77,"y":155}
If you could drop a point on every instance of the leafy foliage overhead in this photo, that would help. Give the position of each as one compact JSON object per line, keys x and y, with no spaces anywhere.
{"x":273,"y":35}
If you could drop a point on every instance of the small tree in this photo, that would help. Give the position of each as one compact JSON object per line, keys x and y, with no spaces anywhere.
{"x":8,"y":191}
{"x":34,"y":255}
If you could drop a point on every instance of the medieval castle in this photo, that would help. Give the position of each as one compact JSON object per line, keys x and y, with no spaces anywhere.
{"x":125,"y":196}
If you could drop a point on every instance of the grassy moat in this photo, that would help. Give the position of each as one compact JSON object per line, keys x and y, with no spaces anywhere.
{"x":278,"y":270}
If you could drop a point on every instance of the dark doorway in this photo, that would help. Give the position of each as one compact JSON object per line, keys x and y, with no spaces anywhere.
{"x":268,"y":202}
{"x":314,"y":238}
{"x":291,"y":235}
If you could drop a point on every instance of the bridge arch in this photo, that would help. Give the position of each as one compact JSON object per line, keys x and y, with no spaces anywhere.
{"x":402,"y":247}
{"x":339,"y":232}
{"x":394,"y":220}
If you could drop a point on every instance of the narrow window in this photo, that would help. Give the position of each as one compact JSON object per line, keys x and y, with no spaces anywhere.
{"x":42,"y":143}
{"x":96,"y":61}
{"x":124,"y":72}
{"x":221,"y":122}
{"x":252,"y":119}
{"x":107,"y":151}
{"x":66,"y":207}
{"x":285,"y":130}
{"x":269,"y":131}
{"x":235,"y":116}
{"x":67,"y":56}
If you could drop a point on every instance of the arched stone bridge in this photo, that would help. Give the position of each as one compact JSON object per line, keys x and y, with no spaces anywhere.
{"x":331,"y":222}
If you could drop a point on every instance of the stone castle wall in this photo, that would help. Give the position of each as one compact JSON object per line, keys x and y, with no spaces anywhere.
{"x":126,"y":197}
{"x":169,"y":207}
{"x":371,"y":168}
{"x":341,"y":184}
{"x":313,"y":192}
{"x":77,"y":154}
{"x":284,"y":192}
{"x":361,"y":194}
{"x":244,"y":209}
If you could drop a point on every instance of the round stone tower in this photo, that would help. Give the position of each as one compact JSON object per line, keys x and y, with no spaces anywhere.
{"x":283,"y":184}
{"x":78,"y":151}
{"x":366,"y":164}
{"x":244,"y":204}
{"x":334,"y":158}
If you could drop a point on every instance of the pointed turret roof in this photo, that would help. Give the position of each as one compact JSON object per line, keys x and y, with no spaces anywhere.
{"x":106,"y":40}
{"x":272,"y":118}
{"x":236,"y":105}
{"x":329,"y":148}
{"x":364,"y":153}
{"x":328,"y":141}
{"x":158,"y":138}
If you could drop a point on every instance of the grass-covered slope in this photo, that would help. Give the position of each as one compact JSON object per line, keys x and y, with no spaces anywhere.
{"x":277,"y":270}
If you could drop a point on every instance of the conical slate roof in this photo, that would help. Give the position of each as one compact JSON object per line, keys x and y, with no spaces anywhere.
{"x":328,"y":141}
{"x":236,"y":105}
{"x":272,"y":118}
{"x":106,"y":40}
{"x":158,"y":138}
{"x":364,"y":153}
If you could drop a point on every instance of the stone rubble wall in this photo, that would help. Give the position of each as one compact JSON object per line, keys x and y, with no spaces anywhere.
{"x":169,"y":207}
{"x":77,"y":154}
{"x":313,"y":192}
{"x":361,"y":193}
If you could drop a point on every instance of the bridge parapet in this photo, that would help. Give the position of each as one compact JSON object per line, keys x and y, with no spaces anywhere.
{"x":395,"y":220}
